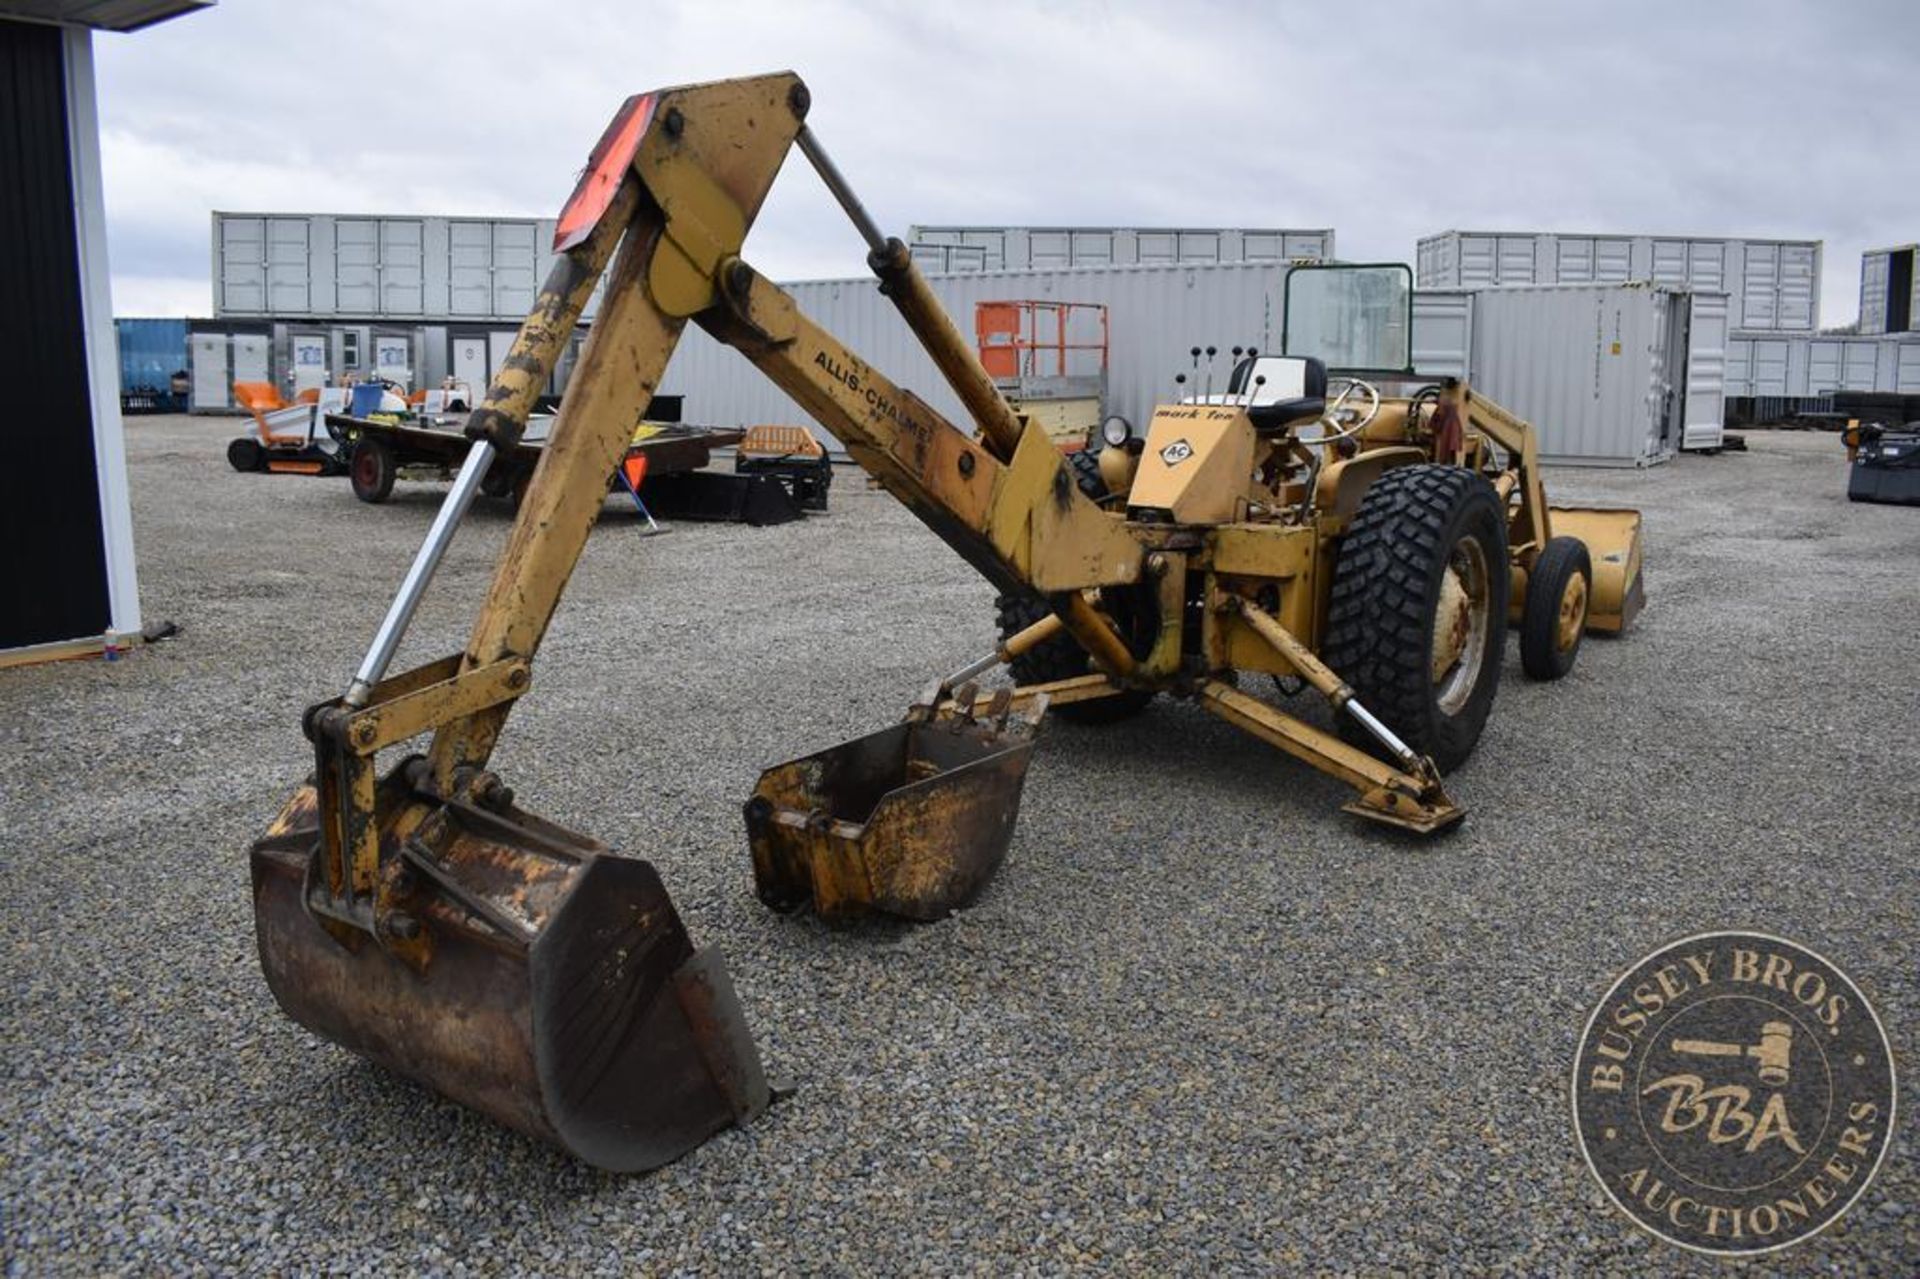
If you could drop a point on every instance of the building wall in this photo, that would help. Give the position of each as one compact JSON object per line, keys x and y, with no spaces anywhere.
{"x":67,"y":579}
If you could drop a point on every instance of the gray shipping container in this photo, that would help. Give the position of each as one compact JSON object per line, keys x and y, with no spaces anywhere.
{"x":1609,"y":375}
{"x":371,"y":267}
{"x":1814,"y":366}
{"x":947,"y":249}
{"x":1886,"y":276}
{"x":1156,"y":315}
{"x":1770,"y":284}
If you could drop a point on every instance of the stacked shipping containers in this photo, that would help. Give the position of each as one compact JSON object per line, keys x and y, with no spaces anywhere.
{"x":942,"y":250}
{"x":1771,"y":285}
{"x":411,"y":298}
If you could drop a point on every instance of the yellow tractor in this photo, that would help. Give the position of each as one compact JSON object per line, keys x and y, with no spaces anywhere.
{"x":1375,"y":548}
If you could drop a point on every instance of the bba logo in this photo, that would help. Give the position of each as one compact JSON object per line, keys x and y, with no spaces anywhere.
{"x":1734,"y":1093}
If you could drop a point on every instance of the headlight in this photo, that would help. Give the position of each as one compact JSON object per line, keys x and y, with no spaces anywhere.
{"x":1116,"y":430}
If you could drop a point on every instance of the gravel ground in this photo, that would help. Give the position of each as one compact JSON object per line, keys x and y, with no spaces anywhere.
{"x":1201,"y":1021}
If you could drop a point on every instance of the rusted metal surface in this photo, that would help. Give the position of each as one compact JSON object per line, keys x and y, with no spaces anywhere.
{"x":562,"y":995}
{"x":910,"y":821}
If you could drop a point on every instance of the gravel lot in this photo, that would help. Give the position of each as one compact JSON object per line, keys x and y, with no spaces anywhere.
{"x":1202,"y":1021}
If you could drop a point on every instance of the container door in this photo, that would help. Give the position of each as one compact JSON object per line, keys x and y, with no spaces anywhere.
{"x":1705,"y":413}
{"x":309,"y":353}
{"x":402,"y":282}
{"x":1760,"y":288}
{"x":356,"y":267}
{"x":210,"y":382}
{"x":1798,"y":288}
{"x":288,"y":278}
{"x":470,"y":363}
{"x":393,"y":359}
{"x":469,"y":268}
{"x":516,"y":260}
{"x":1873,"y":292}
{"x":243,"y":269}
{"x":251,"y":357}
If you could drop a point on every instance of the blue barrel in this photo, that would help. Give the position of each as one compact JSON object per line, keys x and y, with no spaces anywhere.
{"x":366,"y":398}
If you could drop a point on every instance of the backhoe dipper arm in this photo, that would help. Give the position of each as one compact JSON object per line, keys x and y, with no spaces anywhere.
{"x":702,"y":163}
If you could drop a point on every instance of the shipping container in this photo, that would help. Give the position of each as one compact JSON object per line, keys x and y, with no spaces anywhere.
{"x":152,"y":354}
{"x":1609,"y":374}
{"x":1811,"y":367}
{"x":1770,"y":284}
{"x":950,"y":249}
{"x":1156,"y":315}
{"x":1888,"y":301}
{"x":371,"y":267}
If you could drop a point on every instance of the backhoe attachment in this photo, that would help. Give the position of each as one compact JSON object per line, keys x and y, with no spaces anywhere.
{"x":911,"y":821}
{"x":424,"y":919}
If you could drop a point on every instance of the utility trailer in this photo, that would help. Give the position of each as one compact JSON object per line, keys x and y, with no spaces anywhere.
{"x":379,"y":450}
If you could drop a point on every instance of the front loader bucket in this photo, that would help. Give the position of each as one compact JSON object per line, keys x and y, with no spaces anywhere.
{"x":1613,"y":547}
{"x":542,"y":980}
{"x":909,"y":821}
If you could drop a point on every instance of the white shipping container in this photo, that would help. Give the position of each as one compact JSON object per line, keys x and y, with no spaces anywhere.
{"x":1771,"y":284}
{"x":1005,"y":248}
{"x":1607,"y":374}
{"x":1156,"y":315}
{"x":371,"y":267}
{"x":1813,"y":366}
{"x":1888,"y":301}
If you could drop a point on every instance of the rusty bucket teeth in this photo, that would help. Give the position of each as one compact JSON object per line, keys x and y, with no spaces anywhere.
{"x":559,"y":992}
{"x":909,"y":821}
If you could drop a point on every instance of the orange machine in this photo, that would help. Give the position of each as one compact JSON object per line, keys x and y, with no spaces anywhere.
{"x":286,"y":438}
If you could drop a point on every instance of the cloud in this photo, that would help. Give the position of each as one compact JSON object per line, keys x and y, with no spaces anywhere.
{"x":1386,"y":119}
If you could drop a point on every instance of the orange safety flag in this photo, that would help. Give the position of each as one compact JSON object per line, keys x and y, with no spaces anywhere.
{"x":634,"y":467}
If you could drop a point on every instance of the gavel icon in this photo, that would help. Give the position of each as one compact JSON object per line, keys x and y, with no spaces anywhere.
{"x":1773,"y":1052}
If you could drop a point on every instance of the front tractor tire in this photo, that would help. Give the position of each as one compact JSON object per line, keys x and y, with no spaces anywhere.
{"x":1554,"y":616}
{"x":1417,"y":618}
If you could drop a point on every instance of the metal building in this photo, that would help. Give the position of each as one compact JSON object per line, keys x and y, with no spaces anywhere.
{"x":1771,"y":285}
{"x":67,"y":580}
{"x":940,"y":250}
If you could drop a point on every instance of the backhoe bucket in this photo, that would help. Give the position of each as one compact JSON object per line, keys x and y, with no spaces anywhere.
{"x":909,"y":821}
{"x":1613,"y":546}
{"x":531,"y":974}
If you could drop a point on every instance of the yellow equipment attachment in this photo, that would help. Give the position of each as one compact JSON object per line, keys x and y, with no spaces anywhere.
{"x":419,"y":915}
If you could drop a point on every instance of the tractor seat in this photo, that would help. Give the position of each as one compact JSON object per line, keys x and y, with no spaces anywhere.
{"x":1281,"y":390}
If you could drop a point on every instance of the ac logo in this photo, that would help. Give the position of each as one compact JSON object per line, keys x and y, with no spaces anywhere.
{"x":1734,"y":1093}
{"x":1176,"y":453}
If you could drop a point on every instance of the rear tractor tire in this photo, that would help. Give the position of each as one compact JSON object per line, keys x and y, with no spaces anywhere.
{"x":1554,"y":617}
{"x":1416,"y":622}
{"x":1061,"y":658}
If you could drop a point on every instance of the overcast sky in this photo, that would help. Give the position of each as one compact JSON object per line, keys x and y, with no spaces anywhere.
{"x":1384,"y":119}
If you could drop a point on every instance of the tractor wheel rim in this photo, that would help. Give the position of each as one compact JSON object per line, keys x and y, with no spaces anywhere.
{"x":366,"y":470}
{"x":1573,"y":613}
{"x":1461,"y":626}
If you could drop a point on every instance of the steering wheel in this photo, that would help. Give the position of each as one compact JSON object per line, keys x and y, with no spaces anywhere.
{"x":1339,"y":405}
